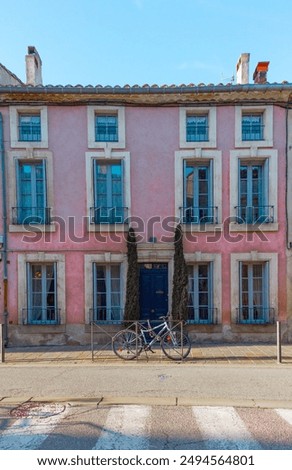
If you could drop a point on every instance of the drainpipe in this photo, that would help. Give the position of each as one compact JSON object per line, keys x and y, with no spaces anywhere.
{"x":4,"y":248}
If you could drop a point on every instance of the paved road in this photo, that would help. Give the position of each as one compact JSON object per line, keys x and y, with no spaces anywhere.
{"x":214,"y":384}
{"x":74,"y":426}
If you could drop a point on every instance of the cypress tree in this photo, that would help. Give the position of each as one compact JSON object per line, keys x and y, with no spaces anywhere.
{"x":132,"y":308}
{"x":180,"y":279}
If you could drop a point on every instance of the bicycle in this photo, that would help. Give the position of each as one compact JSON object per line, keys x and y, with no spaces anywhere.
{"x":128,"y":344}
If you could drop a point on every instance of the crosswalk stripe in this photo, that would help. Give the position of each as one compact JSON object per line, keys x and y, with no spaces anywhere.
{"x":29,"y":433}
{"x":222,"y":428}
{"x":125,"y":428}
{"x":285,"y":414}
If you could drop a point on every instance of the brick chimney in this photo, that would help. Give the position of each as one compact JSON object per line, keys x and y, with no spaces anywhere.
{"x":260,"y":73}
{"x":33,"y":67}
{"x":242,"y":69}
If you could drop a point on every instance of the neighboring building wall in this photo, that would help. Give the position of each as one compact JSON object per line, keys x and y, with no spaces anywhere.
{"x":289,"y":223}
{"x":8,"y":78}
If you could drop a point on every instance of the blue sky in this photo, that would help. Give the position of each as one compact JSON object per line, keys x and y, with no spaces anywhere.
{"x":118,"y":42}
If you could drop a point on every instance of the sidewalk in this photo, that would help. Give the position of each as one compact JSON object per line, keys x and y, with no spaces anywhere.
{"x":201,"y":354}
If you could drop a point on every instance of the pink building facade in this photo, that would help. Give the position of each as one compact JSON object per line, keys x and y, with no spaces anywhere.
{"x":82,"y":164}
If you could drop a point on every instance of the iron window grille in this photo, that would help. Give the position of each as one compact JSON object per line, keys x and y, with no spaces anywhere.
{"x":108,"y":215}
{"x":254,"y":215}
{"x":256,"y":314}
{"x":31,"y":215}
{"x":199,"y":215}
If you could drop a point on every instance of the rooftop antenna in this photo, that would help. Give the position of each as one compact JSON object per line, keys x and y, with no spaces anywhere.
{"x":228,"y":80}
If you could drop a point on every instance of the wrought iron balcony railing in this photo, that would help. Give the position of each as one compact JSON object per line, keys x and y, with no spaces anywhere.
{"x":202,"y":315}
{"x":41,"y":316}
{"x":108,"y":215}
{"x":31,"y":215}
{"x":255,"y":315}
{"x":199,"y":215}
{"x":254,"y":214}
{"x":104,"y":315}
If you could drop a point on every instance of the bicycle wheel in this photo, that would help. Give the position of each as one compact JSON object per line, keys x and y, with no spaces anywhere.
{"x":127,"y":344}
{"x":176,"y":346}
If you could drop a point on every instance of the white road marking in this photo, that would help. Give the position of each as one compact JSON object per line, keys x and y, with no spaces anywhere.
{"x":222,"y":428}
{"x":29,"y":433}
{"x":285,"y":414}
{"x":125,"y":428}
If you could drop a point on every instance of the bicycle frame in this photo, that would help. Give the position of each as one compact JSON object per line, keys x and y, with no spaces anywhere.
{"x":152,"y":331}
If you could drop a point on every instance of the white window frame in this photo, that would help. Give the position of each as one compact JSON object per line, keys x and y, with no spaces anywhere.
{"x":14,"y":112}
{"x":212,"y":122}
{"x":106,"y":258}
{"x":267,"y":113}
{"x":119,"y":111}
{"x":30,"y":155}
{"x":253,"y":257}
{"x":256,"y":156}
{"x":102,"y":157}
{"x":41,"y":258}
{"x":198,"y":156}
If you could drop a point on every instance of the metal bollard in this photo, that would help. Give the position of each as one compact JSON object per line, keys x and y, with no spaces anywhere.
{"x":2,"y":353}
{"x":279,"y":345}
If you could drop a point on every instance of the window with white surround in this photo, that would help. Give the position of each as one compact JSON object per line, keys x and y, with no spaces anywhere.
{"x":198,"y":127}
{"x":198,"y":193}
{"x":254,"y":293}
{"x":254,"y":287}
{"x":108,"y":189}
{"x":105,"y":281}
{"x":41,"y":294}
{"x":204,"y":294}
{"x":200,"y":293}
{"x":107,"y":292}
{"x":254,"y":126}
{"x":108,"y":193}
{"x":198,"y":187}
{"x":253,"y":189}
{"x":29,"y":126}
{"x":29,"y":129}
{"x":253,"y":193}
{"x":41,"y":289}
{"x":31,"y":194}
{"x":106,"y":127}
{"x":30,"y":190}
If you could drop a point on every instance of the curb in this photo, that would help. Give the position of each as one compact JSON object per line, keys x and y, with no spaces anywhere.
{"x":107,"y":401}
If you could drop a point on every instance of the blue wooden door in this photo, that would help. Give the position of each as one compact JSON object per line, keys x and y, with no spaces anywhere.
{"x":153,"y":290}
